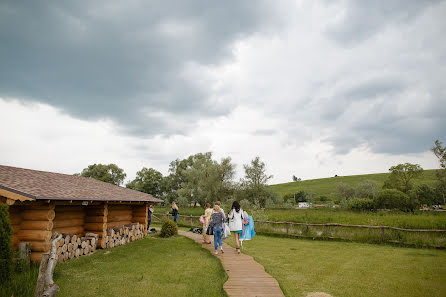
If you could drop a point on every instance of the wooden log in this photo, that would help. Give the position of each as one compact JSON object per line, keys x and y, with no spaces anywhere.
{"x":79,"y":241}
{"x":59,"y":223}
{"x":73,"y":239}
{"x":96,"y":212}
{"x":60,"y":216}
{"x":91,"y":234}
{"x":35,"y":256}
{"x":65,"y":256}
{"x":69,"y":247}
{"x":34,"y":235}
{"x":65,"y":248}
{"x":140,"y":220}
{"x":15,"y":228}
{"x":67,"y":238}
{"x":52,"y":262}
{"x":119,"y":207}
{"x":51,"y":291}
{"x":69,"y":230}
{"x":60,"y":258}
{"x":95,"y":226}
{"x":83,"y":244}
{"x":118,"y":218}
{"x":37,"y":225}
{"x":67,"y":208}
{"x":96,"y":219}
{"x":119,"y":212}
{"x":116,"y":224}
{"x":77,"y":253}
{"x":38,"y":215}
{"x":40,"y":246}
{"x":15,"y":218}
{"x":41,"y":277}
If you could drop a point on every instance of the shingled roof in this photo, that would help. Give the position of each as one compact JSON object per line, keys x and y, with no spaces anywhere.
{"x":56,"y":186}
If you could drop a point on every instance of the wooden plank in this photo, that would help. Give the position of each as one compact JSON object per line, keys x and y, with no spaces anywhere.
{"x":14,"y":196}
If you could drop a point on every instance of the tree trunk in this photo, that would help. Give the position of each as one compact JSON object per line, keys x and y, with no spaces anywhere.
{"x":41,"y":279}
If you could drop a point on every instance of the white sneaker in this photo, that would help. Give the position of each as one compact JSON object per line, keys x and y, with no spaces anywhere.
{"x":216,"y":252}
{"x":221,"y":248}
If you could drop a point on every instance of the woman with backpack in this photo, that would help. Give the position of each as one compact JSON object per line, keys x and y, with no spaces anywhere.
{"x":217,"y":221}
{"x":174,"y":211}
{"x":235,"y":217}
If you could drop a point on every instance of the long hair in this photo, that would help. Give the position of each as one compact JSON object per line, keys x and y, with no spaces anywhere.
{"x":236,"y":206}
{"x":174,"y":205}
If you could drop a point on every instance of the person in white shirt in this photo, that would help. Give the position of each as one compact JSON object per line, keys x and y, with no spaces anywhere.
{"x":235,"y":217}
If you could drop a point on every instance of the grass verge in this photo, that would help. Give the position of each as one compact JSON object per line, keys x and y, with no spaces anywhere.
{"x":349,"y":269}
{"x":152,"y":266}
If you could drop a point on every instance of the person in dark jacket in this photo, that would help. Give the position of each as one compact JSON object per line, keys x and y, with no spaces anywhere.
{"x":149,"y":217}
{"x":217,"y":221}
{"x":174,"y":211}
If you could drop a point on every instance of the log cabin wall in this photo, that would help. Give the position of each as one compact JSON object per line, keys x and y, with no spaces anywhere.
{"x":69,"y":219}
{"x":15,"y":216}
{"x":96,"y":221}
{"x":139,"y":215}
{"x":119,"y":215}
{"x":36,"y":228}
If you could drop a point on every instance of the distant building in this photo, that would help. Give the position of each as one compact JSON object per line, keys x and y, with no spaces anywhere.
{"x":304,"y":205}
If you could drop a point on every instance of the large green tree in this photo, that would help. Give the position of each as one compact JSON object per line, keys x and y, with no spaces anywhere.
{"x":440,"y":152}
{"x":206,"y":180}
{"x":402,"y":175}
{"x":148,"y":180}
{"x":110,"y":173}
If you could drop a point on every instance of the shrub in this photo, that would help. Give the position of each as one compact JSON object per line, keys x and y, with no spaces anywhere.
{"x":300,"y":197}
{"x":366,"y":189}
{"x":344,"y":191}
{"x":168,"y":229}
{"x":244,"y":204}
{"x":360,"y":204}
{"x":5,"y":244}
{"x":393,"y":199}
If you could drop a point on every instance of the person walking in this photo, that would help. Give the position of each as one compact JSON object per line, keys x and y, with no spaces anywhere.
{"x":174,"y":211}
{"x":217,"y":221}
{"x":207,"y":219}
{"x":149,"y":217}
{"x":235,"y":217}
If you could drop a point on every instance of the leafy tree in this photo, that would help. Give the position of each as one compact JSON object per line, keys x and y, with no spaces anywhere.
{"x":424,"y":195}
{"x":440,"y":153}
{"x":393,"y":199}
{"x":294,"y":178}
{"x":254,"y":184}
{"x":402,"y":175}
{"x":300,"y":197}
{"x":344,"y":191}
{"x":110,"y":173}
{"x":366,"y":189}
{"x":148,"y":180}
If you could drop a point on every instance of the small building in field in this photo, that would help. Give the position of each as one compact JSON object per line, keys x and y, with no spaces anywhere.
{"x":41,"y":203}
{"x":304,"y":205}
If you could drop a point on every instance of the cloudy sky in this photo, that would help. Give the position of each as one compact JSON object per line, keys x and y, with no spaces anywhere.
{"x":315,"y":88}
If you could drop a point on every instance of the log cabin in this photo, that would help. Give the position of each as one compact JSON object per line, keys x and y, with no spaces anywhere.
{"x":41,"y":203}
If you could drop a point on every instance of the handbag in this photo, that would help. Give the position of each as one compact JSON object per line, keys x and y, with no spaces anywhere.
{"x":210,"y":229}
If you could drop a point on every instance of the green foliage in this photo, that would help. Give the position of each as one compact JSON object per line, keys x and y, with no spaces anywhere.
{"x":344,"y":191}
{"x":366,"y":189}
{"x":300,"y":197}
{"x":5,"y":244}
{"x":361,"y":204}
{"x":168,"y":229}
{"x":393,"y":199}
{"x":23,"y":281}
{"x":440,"y":152}
{"x":110,"y":173}
{"x":245,"y":204}
{"x":424,"y":195}
{"x":182,"y":201}
{"x":402,"y":175}
{"x":147,"y":180}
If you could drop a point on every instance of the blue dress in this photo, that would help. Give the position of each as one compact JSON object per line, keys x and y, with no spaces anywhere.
{"x":248,"y":230}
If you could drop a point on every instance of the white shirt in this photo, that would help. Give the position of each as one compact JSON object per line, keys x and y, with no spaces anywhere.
{"x":235,"y":220}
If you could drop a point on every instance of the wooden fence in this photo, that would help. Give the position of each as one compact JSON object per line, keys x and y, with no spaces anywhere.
{"x":360,"y":233}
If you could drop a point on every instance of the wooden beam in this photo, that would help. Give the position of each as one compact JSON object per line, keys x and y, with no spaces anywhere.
{"x":14,"y":196}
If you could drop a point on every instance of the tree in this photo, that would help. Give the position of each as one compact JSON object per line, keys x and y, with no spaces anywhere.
{"x":440,"y":152}
{"x":344,"y":191}
{"x":148,"y":180}
{"x":366,"y":189}
{"x":401,"y":176}
{"x":393,"y":199}
{"x":294,"y":178}
{"x":110,"y":173}
{"x":424,"y":195}
{"x":254,"y":184}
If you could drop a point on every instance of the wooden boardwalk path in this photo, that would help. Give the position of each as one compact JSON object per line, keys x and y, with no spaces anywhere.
{"x":246,"y":277}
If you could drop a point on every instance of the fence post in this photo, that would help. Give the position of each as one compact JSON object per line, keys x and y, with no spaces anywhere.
{"x":191,"y":221}
{"x":382,"y":234}
{"x":287,"y":228}
{"x":327,"y":231}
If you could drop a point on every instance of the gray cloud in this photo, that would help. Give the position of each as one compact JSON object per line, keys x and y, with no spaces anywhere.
{"x":120,"y":61}
{"x":363,"y":19}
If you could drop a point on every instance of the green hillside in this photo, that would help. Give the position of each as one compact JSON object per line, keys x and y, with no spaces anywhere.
{"x":327,"y":186}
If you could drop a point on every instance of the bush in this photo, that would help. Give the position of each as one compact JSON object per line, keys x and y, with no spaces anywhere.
{"x":168,"y":229}
{"x":344,"y":191}
{"x":244,"y":204}
{"x":5,"y":244}
{"x":366,"y":189}
{"x":360,"y":204}
{"x":393,"y":199}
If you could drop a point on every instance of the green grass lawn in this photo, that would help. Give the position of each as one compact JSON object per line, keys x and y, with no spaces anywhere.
{"x":345,"y":269}
{"x":327,"y":186}
{"x":152,"y":266}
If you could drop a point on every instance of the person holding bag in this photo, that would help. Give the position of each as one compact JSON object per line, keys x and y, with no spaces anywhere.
{"x":217,"y":221}
{"x":235,"y":217}
{"x":206,"y":220}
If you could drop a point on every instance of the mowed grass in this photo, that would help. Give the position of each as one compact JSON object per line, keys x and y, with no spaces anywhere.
{"x":345,"y":269}
{"x":152,"y":266}
{"x":327,"y":186}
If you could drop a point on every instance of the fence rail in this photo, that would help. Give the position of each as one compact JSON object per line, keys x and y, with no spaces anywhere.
{"x":363,"y":233}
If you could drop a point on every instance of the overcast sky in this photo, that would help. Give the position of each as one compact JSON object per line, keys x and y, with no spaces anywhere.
{"x":315,"y":88}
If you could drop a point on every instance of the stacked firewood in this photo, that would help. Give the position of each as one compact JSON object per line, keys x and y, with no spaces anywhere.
{"x":121,"y":235}
{"x":72,"y":246}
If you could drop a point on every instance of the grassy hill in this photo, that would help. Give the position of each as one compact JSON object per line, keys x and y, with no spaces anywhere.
{"x":327,"y":186}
